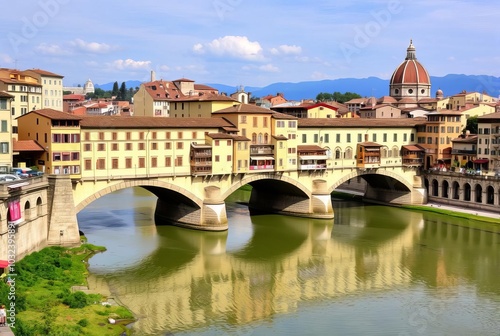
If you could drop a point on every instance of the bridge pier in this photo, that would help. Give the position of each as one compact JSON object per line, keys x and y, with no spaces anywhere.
{"x":63,"y":223}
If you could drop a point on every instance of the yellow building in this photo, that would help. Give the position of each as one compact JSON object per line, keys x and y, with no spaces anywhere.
{"x":5,"y":132}
{"x":27,"y":92}
{"x":59,"y":134}
{"x":52,"y":88}
{"x":269,"y":133}
{"x":488,"y":141}
{"x":307,"y":110}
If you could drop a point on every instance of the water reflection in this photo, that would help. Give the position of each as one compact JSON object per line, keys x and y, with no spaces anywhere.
{"x":282,"y":268}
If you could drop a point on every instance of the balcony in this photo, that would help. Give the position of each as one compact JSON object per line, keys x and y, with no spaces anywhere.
{"x":463,"y":152}
{"x":261,"y":163}
{"x":261,"y":167}
{"x":261,"y":150}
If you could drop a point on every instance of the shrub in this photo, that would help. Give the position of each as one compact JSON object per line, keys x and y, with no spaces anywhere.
{"x":83,"y":322}
{"x":76,"y":300}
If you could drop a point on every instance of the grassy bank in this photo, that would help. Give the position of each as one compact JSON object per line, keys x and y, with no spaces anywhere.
{"x":45,"y":304}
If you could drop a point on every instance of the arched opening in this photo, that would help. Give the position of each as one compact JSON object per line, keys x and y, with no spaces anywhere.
{"x":435,"y":188}
{"x":444,"y":189}
{"x":337,"y":153}
{"x":395,"y":152}
{"x":348,"y":153}
{"x":467,"y":192}
{"x":39,"y":210}
{"x":479,"y":193}
{"x":456,"y":190}
{"x":27,"y":210}
{"x":490,"y":195}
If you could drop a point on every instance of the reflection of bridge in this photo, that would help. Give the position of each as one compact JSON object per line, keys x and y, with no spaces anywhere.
{"x":198,"y":202}
{"x":306,"y":264}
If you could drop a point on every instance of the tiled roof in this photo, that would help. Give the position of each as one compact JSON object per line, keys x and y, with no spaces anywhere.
{"x":45,"y":73}
{"x":183,"y":80}
{"x":370,"y":144}
{"x":470,"y":139}
{"x":360,"y":122}
{"x":494,"y":117}
{"x":74,"y":97}
{"x":280,"y":137}
{"x":309,"y":148}
{"x":151,"y":122}
{"x":15,"y":81}
{"x":204,"y":87}
{"x":278,"y":115}
{"x":244,"y":108}
{"x":4,"y":94}
{"x":221,"y":136}
{"x":27,"y":146}
{"x":53,"y":114}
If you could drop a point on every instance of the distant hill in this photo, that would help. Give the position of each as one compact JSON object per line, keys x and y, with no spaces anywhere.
{"x":366,"y":87}
{"x":371,"y":86}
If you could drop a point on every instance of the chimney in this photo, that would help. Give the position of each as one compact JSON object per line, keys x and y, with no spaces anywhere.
{"x":153,"y":75}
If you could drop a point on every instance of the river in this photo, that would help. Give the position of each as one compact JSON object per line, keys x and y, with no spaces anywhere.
{"x":373,"y":270}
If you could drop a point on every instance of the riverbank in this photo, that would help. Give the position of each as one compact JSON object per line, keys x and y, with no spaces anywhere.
{"x":51,"y":296}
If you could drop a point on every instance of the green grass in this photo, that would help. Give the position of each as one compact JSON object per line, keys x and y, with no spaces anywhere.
{"x":43,"y":296}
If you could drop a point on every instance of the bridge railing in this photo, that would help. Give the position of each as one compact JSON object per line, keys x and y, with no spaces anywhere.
{"x":7,"y":187}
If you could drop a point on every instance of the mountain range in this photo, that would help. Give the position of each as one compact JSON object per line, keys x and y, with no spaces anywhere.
{"x":366,"y":87}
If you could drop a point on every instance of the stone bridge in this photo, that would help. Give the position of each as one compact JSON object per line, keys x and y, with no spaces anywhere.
{"x":199,"y":202}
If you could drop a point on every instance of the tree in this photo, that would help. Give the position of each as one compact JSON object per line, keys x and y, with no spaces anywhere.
{"x":115,"y":90}
{"x":323,"y":96}
{"x":123,"y":92}
{"x":471,"y":125}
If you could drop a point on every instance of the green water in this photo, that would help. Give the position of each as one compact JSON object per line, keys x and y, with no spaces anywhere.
{"x":373,"y":270}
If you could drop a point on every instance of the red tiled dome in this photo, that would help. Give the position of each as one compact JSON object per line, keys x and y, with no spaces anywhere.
{"x":410,"y":72}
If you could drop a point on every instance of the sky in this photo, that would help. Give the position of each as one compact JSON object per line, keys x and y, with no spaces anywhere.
{"x":250,"y":43}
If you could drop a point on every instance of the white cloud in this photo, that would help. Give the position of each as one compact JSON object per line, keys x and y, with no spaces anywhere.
{"x":287,"y":50}
{"x":269,"y":68}
{"x":92,"y":47}
{"x":130,"y":64}
{"x":52,"y":49}
{"x":233,"y":46}
{"x":319,"y":75}
{"x":4,"y":58}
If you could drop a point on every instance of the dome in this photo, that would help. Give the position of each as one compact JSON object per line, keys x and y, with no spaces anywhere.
{"x":410,"y":71}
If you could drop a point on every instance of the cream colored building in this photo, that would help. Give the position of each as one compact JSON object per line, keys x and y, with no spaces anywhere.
{"x":27,"y":92}
{"x":52,"y":89}
{"x":5,"y":132}
{"x":181,"y":98}
{"x":488,"y":140}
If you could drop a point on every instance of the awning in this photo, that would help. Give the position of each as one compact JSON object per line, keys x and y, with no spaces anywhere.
{"x":17,"y":185}
{"x":4,"y":264}
{"x":313,"y":157}
{"x":256,"y":158}
{"x":481,"y":161}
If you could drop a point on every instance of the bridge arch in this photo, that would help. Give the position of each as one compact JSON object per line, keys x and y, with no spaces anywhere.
{"x":154,"y":186}
{"x":248,"y":179}
{"x":366,"y":173}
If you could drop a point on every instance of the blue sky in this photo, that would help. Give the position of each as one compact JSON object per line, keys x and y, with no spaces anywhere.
{"x":250,"y":43}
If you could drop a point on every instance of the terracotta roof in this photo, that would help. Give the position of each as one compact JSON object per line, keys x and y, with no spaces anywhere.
{"x":278,"y":115}
{"x":309,"y":148}
{"x":356,"y":101}
{"x":204,"y":97}
{"x":244,"y":108}
{"x":204,"y":87}
{"x":494,"y":117}
{"x":73,"y":96}
{"x":183,"y":80}
{"x":370,"y":144}
{"x":470,"y":139}
{"x":4,"y":94}
{"x":151,"y":122}
{"x":240,"y":138}
{"x":413,"y":148}
{"x":280,"y":137}
{"x":45,"y":73}
{"x":53,"y":114}
{"x":27,"y":146}
{"x":407,"y":100}
{"x":15,"y":81}
{"x":360,"y":122}
{"x":386,"y":100}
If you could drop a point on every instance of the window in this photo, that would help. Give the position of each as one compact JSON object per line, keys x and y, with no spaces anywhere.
{"x":153,"y":135}
{"x":101,"y":135}
{"x":316,"y":138}
{"x":167,"y":135}
{"x":75,"y":156}
{"x":114,"y":147}
{"x":348,"y":137}
{"x":194,"y":135}
{"x":337,"y":138}
{"x":128,"y":135}
{"x":217,"y":158}
{"x":179,"y":135}
{"x":154,"y":162}
{"x":180,"y":145}
{"x":101,"y":164}
{"x":114,"y":163}
{"x":141,"y":135}
{"x":374,"y":137}
{"x":56,"y":156}
{"x":360,"y":137}
{"x":4,"y":126}
{"x":395,"y":137}
{"x":168,"y":145}
{"x":141,"y":146}
{"x":304,"y":138}
{"x":255,"y":122}
{"x":87,"y":147}
{"x":385,"y":137}
{"x":128,"y":163}
{"x":229,"y":158}
{"x":101,"y":147}
{"x":154,"y":145}
{"x":128,"y":146}
{"x":87,"y":136}
{"x":178,"y":161}
{"x":217,"y":142}
{"x":142,"y":162}
{"x":114,"y":136}
{"x":88,"y":164}
{"x":405,"y":137}
{"x":243,"y":119}
{"x":327,"y":138}
{"x":168,"y":161}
